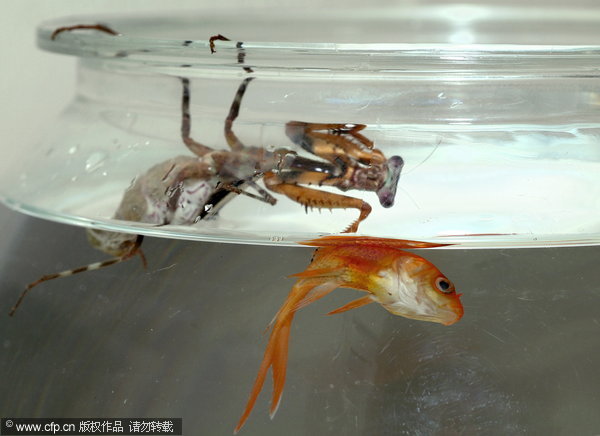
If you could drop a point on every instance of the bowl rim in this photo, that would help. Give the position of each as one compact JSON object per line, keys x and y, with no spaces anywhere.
{"x":145,"y":47}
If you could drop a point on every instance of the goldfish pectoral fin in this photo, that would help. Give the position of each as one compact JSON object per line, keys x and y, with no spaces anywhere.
{"x":363,"y":301}
{"x":328,"y":241}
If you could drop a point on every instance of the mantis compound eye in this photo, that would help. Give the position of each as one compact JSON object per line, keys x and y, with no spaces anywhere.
{"x":387,"y":191}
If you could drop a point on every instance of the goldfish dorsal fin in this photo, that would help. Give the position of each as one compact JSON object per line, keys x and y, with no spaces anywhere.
{"x":337,"y":240}
{"x":360,"y":302}
{"x":317,"y":272}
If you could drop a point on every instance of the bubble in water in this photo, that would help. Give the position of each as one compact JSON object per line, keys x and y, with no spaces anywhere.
{"x":95,"y":161}
{"x":73,"y":149}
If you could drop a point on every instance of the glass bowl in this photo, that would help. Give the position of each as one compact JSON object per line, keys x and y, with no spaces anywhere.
{"x":495,"y":112}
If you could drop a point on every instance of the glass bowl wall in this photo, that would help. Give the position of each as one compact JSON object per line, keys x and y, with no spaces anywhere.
{"x":495,"y":112}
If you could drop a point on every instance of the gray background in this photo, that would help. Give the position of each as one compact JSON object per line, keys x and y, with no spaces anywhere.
{"x":184,"y":337}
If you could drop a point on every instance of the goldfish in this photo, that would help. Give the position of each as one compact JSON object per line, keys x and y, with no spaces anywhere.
{"x":402,"y":282}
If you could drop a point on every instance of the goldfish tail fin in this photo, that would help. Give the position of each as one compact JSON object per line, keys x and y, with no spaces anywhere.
{"x":279,"y":364}
{"x":363,"y":301}
{"x":304,"y":292}
{"x":275,"y":357}
{"x":258,"y":384}
{"x":313,"y":290}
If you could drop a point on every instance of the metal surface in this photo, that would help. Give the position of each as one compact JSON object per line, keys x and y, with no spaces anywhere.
{"x":184,"y":339}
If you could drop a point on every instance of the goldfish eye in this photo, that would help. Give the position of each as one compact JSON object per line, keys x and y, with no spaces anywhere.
{"x":444,"y":285}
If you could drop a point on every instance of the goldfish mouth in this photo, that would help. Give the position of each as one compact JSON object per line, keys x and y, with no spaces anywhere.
{"x":451,"y":314}
{"x":447,"y":314}
{"x":444,"y":315}
{"x":452,"y":320}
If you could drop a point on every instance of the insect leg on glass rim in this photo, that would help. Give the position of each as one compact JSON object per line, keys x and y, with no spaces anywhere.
{"x":239,"y":45}
{"x":99,"y":27}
